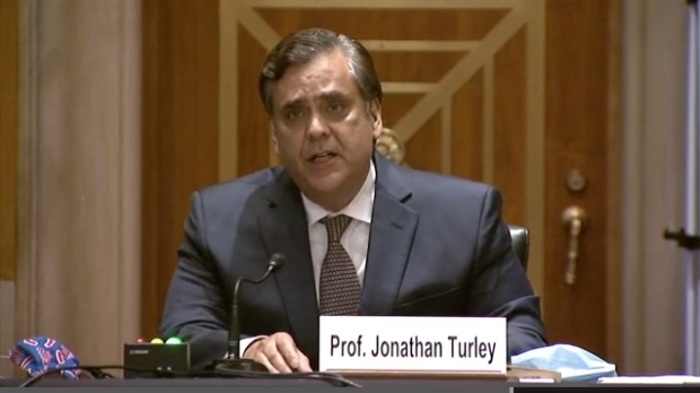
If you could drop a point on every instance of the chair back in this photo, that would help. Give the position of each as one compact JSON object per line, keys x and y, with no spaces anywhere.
{"x":521,"y":243}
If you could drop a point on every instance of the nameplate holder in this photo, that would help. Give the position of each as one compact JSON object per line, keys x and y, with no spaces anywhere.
{"x":419,"y":346}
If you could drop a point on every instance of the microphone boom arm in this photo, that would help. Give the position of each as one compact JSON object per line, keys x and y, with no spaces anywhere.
{"x":232,"y":361}
{"x":234,"y":341}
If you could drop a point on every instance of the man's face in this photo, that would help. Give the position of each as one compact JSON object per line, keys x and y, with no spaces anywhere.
{"x":323,"y":130}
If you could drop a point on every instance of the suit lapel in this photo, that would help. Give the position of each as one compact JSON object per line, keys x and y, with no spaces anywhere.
{"x":284,"y":229}
{"x":393,"y":227}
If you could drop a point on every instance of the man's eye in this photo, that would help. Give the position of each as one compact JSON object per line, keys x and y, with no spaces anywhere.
{"x":294,"y":114}
{"x":335,"y":107}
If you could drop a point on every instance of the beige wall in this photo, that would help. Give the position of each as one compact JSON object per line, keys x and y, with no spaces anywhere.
{"x":7,"y":327}
{"x":654,"y":105}
{"x":79,"y":181}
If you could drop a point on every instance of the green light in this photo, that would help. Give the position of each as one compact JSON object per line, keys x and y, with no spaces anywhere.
{"x":173,"y":340}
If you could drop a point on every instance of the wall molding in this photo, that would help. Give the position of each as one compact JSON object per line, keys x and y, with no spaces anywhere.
{"x":652,"y":185}
{"x":27,"y":295}
{"x":79,"y":175}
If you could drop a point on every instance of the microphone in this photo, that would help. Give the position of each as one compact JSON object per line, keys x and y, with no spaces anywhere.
{"x":232,"y":361}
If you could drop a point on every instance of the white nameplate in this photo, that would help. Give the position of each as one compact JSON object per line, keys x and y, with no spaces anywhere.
{"x":449,"y":344}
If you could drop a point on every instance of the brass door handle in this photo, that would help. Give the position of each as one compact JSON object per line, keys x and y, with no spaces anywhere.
{"x":574,"y":219}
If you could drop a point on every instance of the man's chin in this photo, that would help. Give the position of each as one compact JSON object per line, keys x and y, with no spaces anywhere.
{"x":324,"y":188}
{"x":328,"y":184}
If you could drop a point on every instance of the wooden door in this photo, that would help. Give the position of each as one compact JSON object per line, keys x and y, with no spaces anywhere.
{"x":516,"y":93}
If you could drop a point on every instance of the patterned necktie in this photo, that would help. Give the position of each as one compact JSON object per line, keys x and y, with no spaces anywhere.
{"x":339,"y":286}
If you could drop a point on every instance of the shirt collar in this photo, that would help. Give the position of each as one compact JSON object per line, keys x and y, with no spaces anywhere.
{"x":360,"y":208}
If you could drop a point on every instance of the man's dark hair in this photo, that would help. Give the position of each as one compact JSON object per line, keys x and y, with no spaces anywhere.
{"x":304,"y":46}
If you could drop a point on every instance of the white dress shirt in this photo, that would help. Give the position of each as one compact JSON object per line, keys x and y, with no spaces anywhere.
{"x":355,"y":239}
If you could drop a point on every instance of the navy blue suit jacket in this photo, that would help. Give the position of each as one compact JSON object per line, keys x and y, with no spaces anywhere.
{"x":438,"y":246}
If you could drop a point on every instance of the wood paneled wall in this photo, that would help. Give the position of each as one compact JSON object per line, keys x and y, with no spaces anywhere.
{"x":9,"y":57}
{"x":463,"y":83}
{"x":514,"y":93}
{"x":181,"y":128}
{"x":583,"y":128}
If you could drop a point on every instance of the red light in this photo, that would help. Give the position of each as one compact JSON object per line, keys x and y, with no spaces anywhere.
{"x":140,"y":340}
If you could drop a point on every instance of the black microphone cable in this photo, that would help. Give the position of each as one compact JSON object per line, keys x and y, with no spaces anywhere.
{"x":97,"y":372}
{"x":335,"y":379}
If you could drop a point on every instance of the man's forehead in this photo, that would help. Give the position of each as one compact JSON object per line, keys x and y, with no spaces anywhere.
{"x":286,"y":93}
{"x":325,"y":64}
{"x":319,"y":78}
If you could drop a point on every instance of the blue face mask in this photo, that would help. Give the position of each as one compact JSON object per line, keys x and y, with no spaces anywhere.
{"x":575,"y":364}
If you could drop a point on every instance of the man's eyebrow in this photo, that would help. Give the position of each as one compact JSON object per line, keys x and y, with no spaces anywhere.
{"x":292,"y":104}
{"x":329,"y":95}
{"x":333,"y":95}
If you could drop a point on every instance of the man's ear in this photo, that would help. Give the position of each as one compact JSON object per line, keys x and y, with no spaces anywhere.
{"x":375,"y":111}
{"x":273,"y":137}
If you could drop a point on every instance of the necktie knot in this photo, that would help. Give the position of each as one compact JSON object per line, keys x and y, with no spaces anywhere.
{"x":336,"y":226}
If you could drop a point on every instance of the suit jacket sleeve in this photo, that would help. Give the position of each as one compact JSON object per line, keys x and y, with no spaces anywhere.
{"x":196,"y":305}
{"x":499,"y":286}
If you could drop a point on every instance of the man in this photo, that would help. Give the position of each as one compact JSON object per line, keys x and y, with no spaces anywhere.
{"x":401,"y":242}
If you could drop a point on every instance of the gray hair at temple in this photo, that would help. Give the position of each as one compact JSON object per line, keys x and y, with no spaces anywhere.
{"x":304,"y":46}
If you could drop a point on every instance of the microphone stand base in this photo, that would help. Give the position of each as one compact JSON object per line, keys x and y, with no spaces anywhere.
{"x":236,"y":365}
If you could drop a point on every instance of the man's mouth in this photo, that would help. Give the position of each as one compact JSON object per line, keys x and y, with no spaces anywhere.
{"x":322,"y":157}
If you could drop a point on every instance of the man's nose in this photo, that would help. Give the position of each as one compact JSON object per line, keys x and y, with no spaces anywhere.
{"x":317,"y":127}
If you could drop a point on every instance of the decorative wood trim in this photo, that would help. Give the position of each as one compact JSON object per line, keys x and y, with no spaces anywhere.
{"x":477,"y":53}
{"x":9,"y":21}
{"x":633,"y":186}
{"x":614,"y":208}
{"x":419,"y":45}
{"x":488,"y":131}
{"x":414,"y":119}
{"x":151,"y":156}
{"x":258,"y":28}
{"x":27,"y":187}
{"x":382,"y":4}
{"x":446,"y":137}
{"x":407,"y":87}
{"x":535,"y":11}
{"x":228,"y":89}
{"x":130,"y":170}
